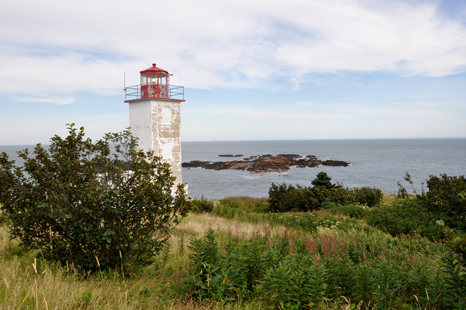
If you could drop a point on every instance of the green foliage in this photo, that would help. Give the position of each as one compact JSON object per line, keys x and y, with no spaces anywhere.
{"x":322,"y":179}
{"x":405,"y":217}
{"x":353,"y":210}
{"x":306,"y":221}
{"x":288,"y":271}
{"x":300,"y":199}
{"x":276,"y":194}
{"x":455,"y":283}
{"x":246,"y":204}
{"x":367,"y":196}
{"x":454,"y":241}
{"x":78,"y":204}
{"x":285,"y":198}
{"x":202,"y":205}
{"x":446,"y":196}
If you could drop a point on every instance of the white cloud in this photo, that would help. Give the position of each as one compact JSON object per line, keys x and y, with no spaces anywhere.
{"x":56,"y":101}
{"x":57,"y":46}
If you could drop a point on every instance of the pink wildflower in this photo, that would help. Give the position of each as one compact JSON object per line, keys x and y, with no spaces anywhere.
{"x":318,"y":260}
{"x":325,"y":246}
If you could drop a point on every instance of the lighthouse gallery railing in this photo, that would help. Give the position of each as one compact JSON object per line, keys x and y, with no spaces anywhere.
{"x":175,"y":92}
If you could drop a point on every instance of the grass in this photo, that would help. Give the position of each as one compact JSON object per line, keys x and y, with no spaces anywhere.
{"x":30,"y":283}
{"x":53,"y":287}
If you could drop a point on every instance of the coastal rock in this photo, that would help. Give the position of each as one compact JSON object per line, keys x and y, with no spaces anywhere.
{"x":335,"y":163}
{"x":265,"y":163}
{"x":194,"y":164}
{"x":290,"y":156}
{"x":271,"y":164}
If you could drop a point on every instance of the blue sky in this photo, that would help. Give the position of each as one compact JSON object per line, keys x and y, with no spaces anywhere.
{"x":252,"y":70}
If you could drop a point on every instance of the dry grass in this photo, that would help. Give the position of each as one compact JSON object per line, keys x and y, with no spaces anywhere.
{"x":45,"y":286}
{"x":198,"y":224}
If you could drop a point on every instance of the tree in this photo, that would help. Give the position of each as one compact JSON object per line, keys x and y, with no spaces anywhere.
{"x":322,"y":179}
{"x":79,"y":203}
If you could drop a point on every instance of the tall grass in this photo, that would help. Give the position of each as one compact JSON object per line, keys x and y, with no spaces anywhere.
{"x":357,"y":263}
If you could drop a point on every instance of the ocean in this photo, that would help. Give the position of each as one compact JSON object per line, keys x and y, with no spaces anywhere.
{"x":376,"y":163}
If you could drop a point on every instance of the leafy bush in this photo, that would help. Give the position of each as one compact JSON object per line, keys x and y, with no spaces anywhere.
{"x":77,"y":203}
{"x":202,"y":205}
{"x":276,"y":193}
{"x":353,"y":210}
{"x":454,"y":241}
{"x":446,"y":196}
{"x":300,"y":199}
{"x":322,"y":179}
{"x":284,"y":198}
{"x":407,"y":216}
{"x":367,"y":196}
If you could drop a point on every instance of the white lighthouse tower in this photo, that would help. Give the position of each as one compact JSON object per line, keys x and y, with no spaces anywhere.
{"x":154,"y":116}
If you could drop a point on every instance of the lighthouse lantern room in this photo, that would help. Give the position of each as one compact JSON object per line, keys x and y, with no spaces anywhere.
{"x":154,"y":116}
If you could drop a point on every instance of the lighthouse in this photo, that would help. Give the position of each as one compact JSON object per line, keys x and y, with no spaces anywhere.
{"x":154,"y":116}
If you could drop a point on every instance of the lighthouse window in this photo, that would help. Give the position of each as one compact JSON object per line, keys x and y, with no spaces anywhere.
{"x":143,"y":80}
{"x":152,"y":79}
{"x":163,"y":79}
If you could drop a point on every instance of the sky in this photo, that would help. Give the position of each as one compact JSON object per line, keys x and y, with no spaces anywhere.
{"x":252,"y":70}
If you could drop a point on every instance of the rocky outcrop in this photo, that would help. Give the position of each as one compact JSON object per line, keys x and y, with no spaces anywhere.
{"x":239,"y":155}
{"x":335,"y":163}
{"x":266,"y":163}
{"x":271,"y":164}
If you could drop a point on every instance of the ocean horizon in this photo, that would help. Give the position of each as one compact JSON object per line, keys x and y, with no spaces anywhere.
{"x":377,"y":163}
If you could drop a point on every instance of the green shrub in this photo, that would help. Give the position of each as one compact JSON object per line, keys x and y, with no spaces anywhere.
{"x":353,"y":210}
{"x":407,"y":216}
{"x":289,"y":271}
{"x":322,"y":179}
{"x":300,"y":199}
{"x":202,"y":205}
{"x":446,"y":196}
{"x":285,"y":198}
{"x":78,"y":204}
{"x":276,"y":193}
{"x":367,"y":196}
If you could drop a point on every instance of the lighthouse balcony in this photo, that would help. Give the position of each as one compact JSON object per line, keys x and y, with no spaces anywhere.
{"x":151,"y":91}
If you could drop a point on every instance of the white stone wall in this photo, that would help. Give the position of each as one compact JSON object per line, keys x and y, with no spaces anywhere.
{"x":157,"y":124}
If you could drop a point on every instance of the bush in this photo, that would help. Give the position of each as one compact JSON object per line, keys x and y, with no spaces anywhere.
{"x":406,"y":217}
{"x":78,"y":204}
{"x":353,"y":210}
{"x":276,"y":193}
{"x":301,"y":199}
{"x":285,"y":198}
{"x":446,"y":195}
{"x":322,"y":179}
{"x":202,"y":205}
{"x":367,"y":196}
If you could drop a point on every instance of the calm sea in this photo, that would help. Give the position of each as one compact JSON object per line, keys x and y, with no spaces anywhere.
{"x":379,"y":163}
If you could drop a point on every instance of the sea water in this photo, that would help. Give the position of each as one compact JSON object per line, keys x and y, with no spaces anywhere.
{"x":374,"y":163}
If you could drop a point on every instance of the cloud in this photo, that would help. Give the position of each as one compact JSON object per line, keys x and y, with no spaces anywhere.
{"x":87,"y":45}
{"x":56,"y":101}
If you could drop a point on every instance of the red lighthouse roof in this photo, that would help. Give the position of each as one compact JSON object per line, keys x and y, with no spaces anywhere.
{"x":153,"y":69}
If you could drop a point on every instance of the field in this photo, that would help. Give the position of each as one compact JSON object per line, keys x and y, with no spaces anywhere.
{"x":239,"y":256}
